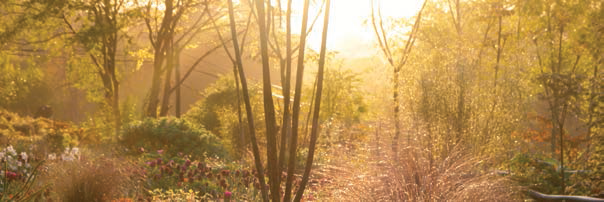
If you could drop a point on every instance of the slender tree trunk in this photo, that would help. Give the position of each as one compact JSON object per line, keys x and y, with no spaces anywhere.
{"x":383,"y":42}
{"x":248,"y":105}
{"x":395,"y":99}
{"x":296,"y":107}
{"x":239,"y":114}
{"x":177,"y":99}
{"x":269,"y":107}
{"x":562,"y":119}
{"x":593,"y":94}
{"x":160,"y":52}
{"x":315,"y":121}
{"x":110,"y":21}
{"x":286,"y":125}
{"x":165,"y":105}
{"x":153,"y":100}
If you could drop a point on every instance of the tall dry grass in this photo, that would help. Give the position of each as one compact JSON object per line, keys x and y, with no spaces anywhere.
{"x":417,"y":177}
{"x":94,"y":179}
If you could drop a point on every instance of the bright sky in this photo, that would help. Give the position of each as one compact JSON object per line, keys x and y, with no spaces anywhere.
{"x":348,"y":34}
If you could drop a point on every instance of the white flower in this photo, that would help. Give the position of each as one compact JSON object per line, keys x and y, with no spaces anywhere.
{"x":1,"y":154}
{"x":67,"y":158}
{"x":24,"y":156}
{"x":75,"y":150}
{"x":52,"y":157}
{"x":11,"y":150}
{"x":19,"y":164}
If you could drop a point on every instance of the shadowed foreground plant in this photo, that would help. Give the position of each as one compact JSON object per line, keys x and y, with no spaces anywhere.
{"x":24,"y":190}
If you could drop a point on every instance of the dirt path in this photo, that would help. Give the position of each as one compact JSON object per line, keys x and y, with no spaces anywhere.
{"x":351,"y":174}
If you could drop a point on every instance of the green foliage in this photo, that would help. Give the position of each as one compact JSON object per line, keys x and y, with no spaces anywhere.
{"x":41,"y":135}
{"x":101,"y":122}
{"x":176,"y":195}
{"x":204,"y":181}
{"x":23,"y":86}
{"x":343,"y":98}
{"x":172,"y":135}
{"x":543,"y":174}
{"x":536,"y":173}
{"x":218,"y":113}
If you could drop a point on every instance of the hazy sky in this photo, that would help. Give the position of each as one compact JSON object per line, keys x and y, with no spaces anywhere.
{"x":348,"y":32}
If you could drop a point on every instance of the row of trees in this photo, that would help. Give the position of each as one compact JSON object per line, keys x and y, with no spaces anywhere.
{"x":479,"y":71}
{"x":104,"y":41}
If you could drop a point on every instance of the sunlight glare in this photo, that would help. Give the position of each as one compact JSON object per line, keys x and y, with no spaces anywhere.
{"x":348,"y":32}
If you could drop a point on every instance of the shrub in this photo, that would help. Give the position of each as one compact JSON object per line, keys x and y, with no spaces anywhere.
{"x":203,"y":179}
{"x":173,"y":136}
{"x":23,"y":85}
{"x":536,"y":173}
{"x":218,"y":113}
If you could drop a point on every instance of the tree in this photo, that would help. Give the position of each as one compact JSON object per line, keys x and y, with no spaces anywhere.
{"x":101,"y":37}
{"x":381,"y":35}
{"x":168,"y":38}
{"x":269,"y":110}
{"x":559,"y":68}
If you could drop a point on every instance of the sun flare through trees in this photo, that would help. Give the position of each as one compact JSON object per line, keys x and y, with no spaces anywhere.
{"x":301,"y":100}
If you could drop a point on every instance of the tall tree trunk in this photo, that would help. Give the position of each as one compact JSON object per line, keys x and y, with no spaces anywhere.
{"x":239,"y":114}
{"x":296,"y":107}
{"x":561,"y":118}
{"x":177,"y":95}
{"x":381,"y":35}
{"x":165,"y":105}
{"x":153,"y":100}
{"x":248,"y":105}
{"x":160,"y":46}
{"x":315,"y":119}
{"x":286,"y":125}
{"x":269,"y":108}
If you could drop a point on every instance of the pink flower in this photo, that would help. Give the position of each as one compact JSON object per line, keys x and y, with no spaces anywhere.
{"x":227,"y":195}
{"x":161,"y":151}
{"x":11,"y":175}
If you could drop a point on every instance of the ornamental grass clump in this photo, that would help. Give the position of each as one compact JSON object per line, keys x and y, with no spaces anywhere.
{"x":417,"y":177}
{"x":94,"y":178}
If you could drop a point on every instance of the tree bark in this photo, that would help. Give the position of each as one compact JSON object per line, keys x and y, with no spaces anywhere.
{"x":315,"y":120}
{"x":286,"y":125}
{"x":248,"y":106}
{"x":296,"y":106}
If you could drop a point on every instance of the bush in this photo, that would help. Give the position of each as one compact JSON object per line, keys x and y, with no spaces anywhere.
{"x":23,"y":85}
{"x":536,"y":172}
{"x":218,"y":113}
{"x":201,"y":180}
{"x":173,"y":136}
